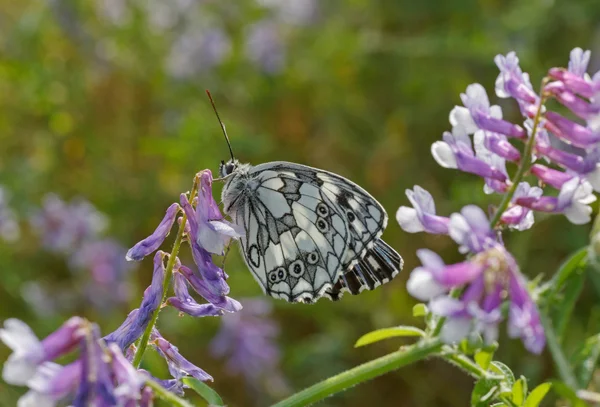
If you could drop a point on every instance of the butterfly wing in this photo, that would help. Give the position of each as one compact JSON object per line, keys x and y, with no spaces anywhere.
{"x":306,"y":229}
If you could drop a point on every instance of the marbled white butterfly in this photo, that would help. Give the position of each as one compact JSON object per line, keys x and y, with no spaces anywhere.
{"x":307,"y":233}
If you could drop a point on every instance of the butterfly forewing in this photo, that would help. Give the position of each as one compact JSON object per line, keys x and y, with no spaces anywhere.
{"x":308,"y":233}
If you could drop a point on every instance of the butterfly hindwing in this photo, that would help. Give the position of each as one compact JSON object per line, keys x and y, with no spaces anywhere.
{"x":310,"y":233}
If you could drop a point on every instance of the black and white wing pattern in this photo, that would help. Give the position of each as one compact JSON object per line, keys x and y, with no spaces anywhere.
{"x":309,"y":233}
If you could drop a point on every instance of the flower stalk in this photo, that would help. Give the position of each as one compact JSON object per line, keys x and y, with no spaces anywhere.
{"x":143,"y":343}
{"x":525,"y":163}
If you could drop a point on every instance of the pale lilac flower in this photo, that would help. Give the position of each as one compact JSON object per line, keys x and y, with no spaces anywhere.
{"x":573,"y":201}
{"x":456,"y":151}
{"x":178,"y":365}
{"x":471,"y":230}
{"x":152,"y":243}
{"x":579,"y":60}
{"x":265,"y":47}
{"x":248,"y":339}
{"x":495,"y":141}
{"x":213,"y":231}
{"x":421,"y":217}
{"x":197,"y":51}
{"x":580,"y":107}
{"x":63,"y":226}
{"x":128,"y":378}
{"x":29,"y":352}
{"x":478,"y":114}
{"x":435,"y":278}
{"x":524,"y":319}
{"x":51,"y":383}
{"x":519,"y":217}
{"x":512,"y":82}
{"x":9,"y":225}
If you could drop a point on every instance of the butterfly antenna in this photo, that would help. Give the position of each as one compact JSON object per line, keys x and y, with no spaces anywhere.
{"x":221,"y":123}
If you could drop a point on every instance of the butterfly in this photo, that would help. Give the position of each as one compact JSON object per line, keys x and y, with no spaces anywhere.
{"x":306,"y":233}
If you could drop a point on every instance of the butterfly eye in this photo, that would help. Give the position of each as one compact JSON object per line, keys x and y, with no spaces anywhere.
{"x":351,"y":216}
{"x":297,"y":268}
{"x":322,"y":225}
{"x":313,"y":258}
{"x":322,"y":209}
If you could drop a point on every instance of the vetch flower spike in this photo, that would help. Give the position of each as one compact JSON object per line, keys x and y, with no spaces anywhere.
{"x":518,"y":217}
{"x":421,"y":217}
{"x":153,"y":242}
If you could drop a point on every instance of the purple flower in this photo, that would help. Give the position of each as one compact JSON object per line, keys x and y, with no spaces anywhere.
{"x":213,"y":232}
{"x":478,"y":114}
{"x":421,"y":217}
{"x":153,"y":242}
{"x":265,"y":47}
{"x":129,"y":331}
{"x":29,"y":352}
{"x":490,"y":277}
{"x":51,"y":383}
{"x":456,"y":151}
{"x":184,"y":302}
{"x":573,"y":201}
{"x":512,"y":82}
{"x":435,"y":278}
{"x":197,"y":51}
{"x":202,"y":287}
{"x":581,"y":108}
{"x":518,"y":217}
{"x":471,"y":230}
{"x":571,"y":132}
{"x":63,"y":227}
{"x":247,"y":338}
{"x":552,"y":177}
{"x":178,"y":365}
{"x":485,"y":142}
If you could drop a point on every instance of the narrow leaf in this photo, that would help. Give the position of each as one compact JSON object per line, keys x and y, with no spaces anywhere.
{"x":502,"y":369}
{"x":537,"y":395}
{"x":484,"y":358}
{"x":381,"y":334}
{"x":484,"y":392}
{"x":419,"y":310}
{"x":519,"y":391}
{"x":585,"y":360}
{"x":205,"y":391}
{"x":577,"y":261}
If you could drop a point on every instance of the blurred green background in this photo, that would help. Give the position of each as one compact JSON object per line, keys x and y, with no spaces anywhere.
{"x":104,"y":100}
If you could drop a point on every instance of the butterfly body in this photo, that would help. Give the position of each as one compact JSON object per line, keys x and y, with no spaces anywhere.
{"x":307,"y":233}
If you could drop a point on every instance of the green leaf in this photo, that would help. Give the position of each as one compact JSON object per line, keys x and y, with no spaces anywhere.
{"x":567,"y":393}
{"x":585,"y":360}
{"x":381,"y":334}
{"x":206,"y":392}
{"x":537,"y":395}
{"x":483,"y":358}
{"x":577,"y":261}
{"x":484,"y":392}
{"x":519,"y":391}
{"x":501,"y":368}
{"x":564,"y":310}
{"x":420,"y":310}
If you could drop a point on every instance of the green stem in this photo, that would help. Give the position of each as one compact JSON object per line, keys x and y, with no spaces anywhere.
{"x":363,"y":373}
{"x":139,"y":354}
{"x":523,"y":165}
{"x":562,"y":364}
{"x":466,"y":364}
{"x":166,"y":395}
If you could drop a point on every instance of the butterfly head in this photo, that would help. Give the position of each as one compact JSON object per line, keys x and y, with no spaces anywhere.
{"x":227,"y":168}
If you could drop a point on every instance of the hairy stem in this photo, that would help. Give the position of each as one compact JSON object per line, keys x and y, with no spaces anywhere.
{"x":166,"y":395}
{"x":363,"y":372}
{"x":139,"y":354}
{"x":525,"y":163}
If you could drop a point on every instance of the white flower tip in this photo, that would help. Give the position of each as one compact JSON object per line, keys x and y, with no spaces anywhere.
{"x":35,"y":399}
{"x":17,"y":370}
{"x":455,"y":329}
{"x":408,"y":220}
{"x":443,"y":154}
{"x":18,"y":336}
{"x":423,"y":286}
